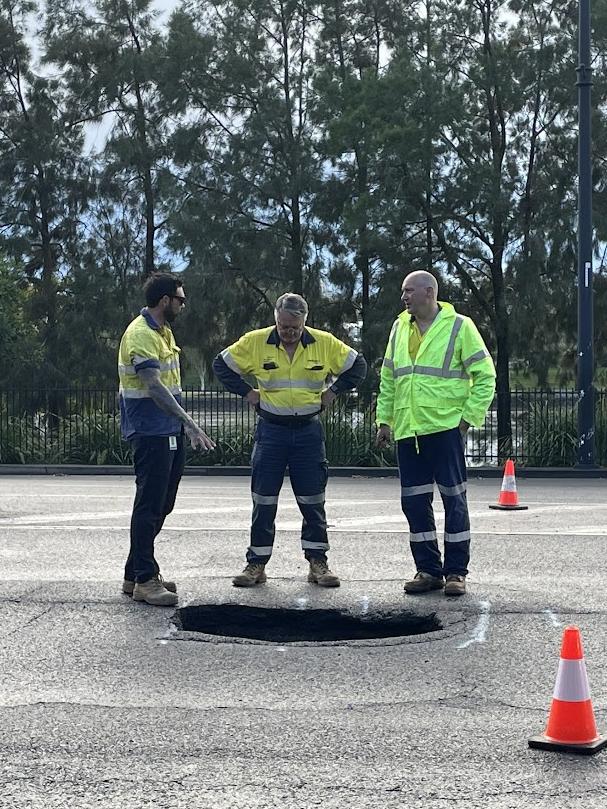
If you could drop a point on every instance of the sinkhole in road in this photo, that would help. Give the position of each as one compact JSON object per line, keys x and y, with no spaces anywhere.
{"x":283,"y":625}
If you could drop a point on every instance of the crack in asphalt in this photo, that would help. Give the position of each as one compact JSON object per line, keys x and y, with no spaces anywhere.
{"x":28,"y":623}
{"x":458,"y":702}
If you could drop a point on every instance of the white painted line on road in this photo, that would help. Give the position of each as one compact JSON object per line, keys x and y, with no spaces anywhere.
{"x":480,"y":632}
{"x":552,"y":618}
{"x":33,"y":519}
{"x":295,"y":527}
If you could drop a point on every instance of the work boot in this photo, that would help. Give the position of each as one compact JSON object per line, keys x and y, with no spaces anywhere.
{"x":128,"y":586}
{"x":424,"y":583}
{"x":456,"y":585}
{"x":155,"y":593}
{"x":321,"y":575}
{"x":254,"y":573}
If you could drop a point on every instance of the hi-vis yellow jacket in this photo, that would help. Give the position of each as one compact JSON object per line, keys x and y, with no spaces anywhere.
{"x":452,"y":377}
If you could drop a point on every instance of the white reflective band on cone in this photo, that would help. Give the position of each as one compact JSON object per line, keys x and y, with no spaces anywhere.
{"x":509,"y":484}
{"x":572,"y":682}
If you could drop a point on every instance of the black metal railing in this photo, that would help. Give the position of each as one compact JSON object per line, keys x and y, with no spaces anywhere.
{"x":82,"y":426}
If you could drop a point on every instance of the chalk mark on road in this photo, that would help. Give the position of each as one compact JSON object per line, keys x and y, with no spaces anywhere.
{"x":552,"y":618}
{"x":480,"y":631}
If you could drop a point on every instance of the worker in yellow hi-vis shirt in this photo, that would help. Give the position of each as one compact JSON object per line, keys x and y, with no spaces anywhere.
{"x":153,"y":420}
{"x":437,"y":379}
{"x":299,"y":370}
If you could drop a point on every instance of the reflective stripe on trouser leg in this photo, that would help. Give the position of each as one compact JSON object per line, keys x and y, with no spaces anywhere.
{"x":450,"y":474}
{"x":308,"y":471}
{"x":268,"y":465}
{"x":417,"y":489}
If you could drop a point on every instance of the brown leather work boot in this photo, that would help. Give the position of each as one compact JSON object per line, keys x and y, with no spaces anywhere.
{"x":254,"y":573}
{"x":424,"y":583}
{"x":154,"y":593}
{"x":456,"y":585}
{"x":128,"y":586}
{"x":321,"y":575}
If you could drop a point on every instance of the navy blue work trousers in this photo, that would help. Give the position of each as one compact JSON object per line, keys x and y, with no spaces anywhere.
{"x":301,"y":449}
{"x":435,"y":458}
{"x":158,"y":470}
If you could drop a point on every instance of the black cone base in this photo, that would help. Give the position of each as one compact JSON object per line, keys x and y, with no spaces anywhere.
{"x":543,"y":743}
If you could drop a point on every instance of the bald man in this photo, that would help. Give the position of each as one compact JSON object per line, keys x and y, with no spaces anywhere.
{"x":437,"y":379}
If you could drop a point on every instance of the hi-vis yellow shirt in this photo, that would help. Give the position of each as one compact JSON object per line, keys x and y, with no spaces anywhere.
{"x":145,"y":344}
{"x":289,"y":387}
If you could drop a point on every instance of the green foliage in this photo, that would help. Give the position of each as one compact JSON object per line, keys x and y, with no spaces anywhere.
{"x":323,"y":147}
{"x":551,"y":434}
{"x":349,"y":438}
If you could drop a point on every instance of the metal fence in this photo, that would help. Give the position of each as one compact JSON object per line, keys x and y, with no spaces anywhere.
{"x":82,"y":426}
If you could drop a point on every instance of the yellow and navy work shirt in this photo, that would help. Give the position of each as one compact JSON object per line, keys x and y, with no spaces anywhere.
{"x":145,"y":344}
{"x":450,"y":378}
{"x":289,"y":388}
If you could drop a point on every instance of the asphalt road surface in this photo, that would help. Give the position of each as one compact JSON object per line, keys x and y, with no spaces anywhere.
{"x":108,"y":703}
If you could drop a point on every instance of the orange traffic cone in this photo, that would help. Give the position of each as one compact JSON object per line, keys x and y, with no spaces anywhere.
{"x":508,"y":498}
{"x":571,"y":727}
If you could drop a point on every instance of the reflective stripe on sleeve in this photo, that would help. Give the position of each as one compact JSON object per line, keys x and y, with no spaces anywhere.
{"x":412,"y":491}
{"x":131,"y":370}
{"x":480,"y":355}
{"x":452,"y":491}
{"x":462,"y":536}
{"x":350,"y":360}
{"x":423,"y":536}
{"x":229,"y":361}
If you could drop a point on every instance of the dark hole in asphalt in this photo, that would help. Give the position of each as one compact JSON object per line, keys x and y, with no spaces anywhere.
{"x":289,"y":625}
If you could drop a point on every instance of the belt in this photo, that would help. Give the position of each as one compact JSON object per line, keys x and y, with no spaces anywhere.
{"x":288,"y":421}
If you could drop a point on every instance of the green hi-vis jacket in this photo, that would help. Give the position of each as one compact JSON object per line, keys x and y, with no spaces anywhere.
{"x":452,"y":377}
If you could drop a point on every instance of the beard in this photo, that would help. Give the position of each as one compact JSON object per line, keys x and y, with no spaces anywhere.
{"x":169,"y":313}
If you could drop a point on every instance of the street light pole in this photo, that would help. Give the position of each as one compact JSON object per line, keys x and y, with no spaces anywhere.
{"x":585,"y":359}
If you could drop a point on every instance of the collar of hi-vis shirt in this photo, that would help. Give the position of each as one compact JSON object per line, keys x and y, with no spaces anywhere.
{"x":145,"y":313}
{"x":165,"y":331}
{"x":306,"y":338}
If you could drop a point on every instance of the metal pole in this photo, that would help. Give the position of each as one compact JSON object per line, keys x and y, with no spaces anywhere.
{"x":585,"y":364}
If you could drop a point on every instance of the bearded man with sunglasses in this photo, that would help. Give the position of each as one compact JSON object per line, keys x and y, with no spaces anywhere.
{"x":154,"y":422}
{"x":298,"y":371}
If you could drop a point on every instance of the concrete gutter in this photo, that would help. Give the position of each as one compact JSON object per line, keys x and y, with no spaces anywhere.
{"x":335,"y":471}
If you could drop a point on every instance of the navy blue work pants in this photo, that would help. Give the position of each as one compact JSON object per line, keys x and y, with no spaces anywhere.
{"x":302,"y":450}
{"x":158,"y":470}
{"x":438,"y":457}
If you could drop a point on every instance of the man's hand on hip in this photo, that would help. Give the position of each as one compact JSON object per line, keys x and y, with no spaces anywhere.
{"x":252,"y":397}
{"x":328,"y":396}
